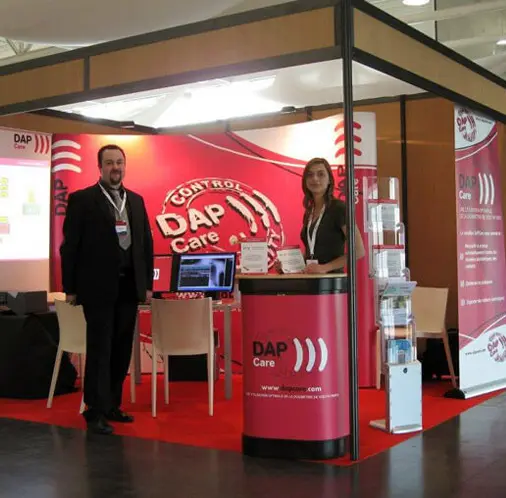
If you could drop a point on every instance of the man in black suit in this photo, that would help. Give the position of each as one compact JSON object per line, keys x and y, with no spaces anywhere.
{"x":107,"y":266}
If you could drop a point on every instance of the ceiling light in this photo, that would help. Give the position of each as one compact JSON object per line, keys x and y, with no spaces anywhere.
{"x":415,"y":3}
{"x":502,"y":42}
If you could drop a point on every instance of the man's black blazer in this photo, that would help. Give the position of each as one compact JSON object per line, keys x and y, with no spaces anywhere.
{"x":90,"y":252}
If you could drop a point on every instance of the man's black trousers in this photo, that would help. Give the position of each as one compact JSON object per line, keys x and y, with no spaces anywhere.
{"x":110,"y":330}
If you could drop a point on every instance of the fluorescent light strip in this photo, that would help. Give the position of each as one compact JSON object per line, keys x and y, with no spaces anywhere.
{"x":415,"y":3}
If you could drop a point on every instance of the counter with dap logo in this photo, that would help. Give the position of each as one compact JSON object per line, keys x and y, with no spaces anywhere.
{"x":295,"y":365}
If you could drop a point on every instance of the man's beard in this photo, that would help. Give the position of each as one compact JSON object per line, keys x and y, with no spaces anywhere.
{"x":115,"y":179}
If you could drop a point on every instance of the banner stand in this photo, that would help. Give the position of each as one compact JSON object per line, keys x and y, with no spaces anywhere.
{"x":481,"y":261}
{"x":472,"y":392}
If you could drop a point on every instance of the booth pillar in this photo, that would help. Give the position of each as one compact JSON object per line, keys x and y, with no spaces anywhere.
{"x":295,"y":355}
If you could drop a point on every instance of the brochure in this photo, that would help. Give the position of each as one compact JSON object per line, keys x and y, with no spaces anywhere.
{"x":254,"y":256}
{"x":291,"y":260}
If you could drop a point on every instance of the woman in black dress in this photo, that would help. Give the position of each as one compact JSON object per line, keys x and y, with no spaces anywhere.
{"x":324,"y":224}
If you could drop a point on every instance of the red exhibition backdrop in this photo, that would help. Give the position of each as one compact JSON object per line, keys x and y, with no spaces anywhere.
{"x":207,"y":193}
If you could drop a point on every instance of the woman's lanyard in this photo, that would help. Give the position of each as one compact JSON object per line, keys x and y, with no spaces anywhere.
{"x":123,"y":203}
{"x":311,"y":239}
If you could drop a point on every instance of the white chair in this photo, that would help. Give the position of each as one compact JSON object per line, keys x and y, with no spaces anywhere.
{"x":429,"y":309}
{"x":53,"y":296}
{"x":72,"y":326}
{"x":182,"y":327}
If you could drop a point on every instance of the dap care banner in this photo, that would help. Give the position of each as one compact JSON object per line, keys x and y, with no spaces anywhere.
{"x":481,"y":258}
{"x":25,"y":199}
{"x":208,"y":193}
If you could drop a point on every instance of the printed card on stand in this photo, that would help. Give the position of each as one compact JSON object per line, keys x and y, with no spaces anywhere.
{"x":254,"y":256}
{"x":291,"y":259}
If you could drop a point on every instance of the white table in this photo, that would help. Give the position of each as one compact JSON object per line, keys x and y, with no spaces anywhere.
{"x":227,"y":307}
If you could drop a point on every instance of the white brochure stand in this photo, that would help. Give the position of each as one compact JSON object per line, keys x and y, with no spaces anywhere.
{"x":396,"y":325}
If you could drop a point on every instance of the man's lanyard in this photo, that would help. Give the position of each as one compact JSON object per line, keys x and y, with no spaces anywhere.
{"x":123,"y":203}
{"x":311,"y":239}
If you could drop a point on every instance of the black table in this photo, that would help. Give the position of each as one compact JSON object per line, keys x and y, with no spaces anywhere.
{"x":28,"y":346}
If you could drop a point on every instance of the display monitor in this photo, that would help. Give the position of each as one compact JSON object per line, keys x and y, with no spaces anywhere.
{"x":25,"y":212}
{"x":208,"y":273}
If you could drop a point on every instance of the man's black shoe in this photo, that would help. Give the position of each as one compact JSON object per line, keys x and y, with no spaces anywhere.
{"x":117,"y":415}
{"x":99,"y":426}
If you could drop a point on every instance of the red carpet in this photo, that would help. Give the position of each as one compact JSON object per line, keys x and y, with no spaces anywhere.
{"x":186,"y":421}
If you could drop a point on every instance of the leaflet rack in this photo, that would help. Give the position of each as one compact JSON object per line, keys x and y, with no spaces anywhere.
{"x":396,"y":336}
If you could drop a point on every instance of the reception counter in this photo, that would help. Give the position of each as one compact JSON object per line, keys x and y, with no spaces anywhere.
{"x":295,"y":365}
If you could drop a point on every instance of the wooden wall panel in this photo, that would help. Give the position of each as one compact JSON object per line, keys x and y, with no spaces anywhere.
{"x":431,"y":197}
{"x":43,"y":82}
{"x":279,"y":36}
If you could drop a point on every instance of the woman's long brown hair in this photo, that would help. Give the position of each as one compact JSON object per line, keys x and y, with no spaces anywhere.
{"x":308,"y":200}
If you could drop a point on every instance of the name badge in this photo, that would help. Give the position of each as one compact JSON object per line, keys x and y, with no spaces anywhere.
{"x":121,"y":228}
{"x":311,"y":262}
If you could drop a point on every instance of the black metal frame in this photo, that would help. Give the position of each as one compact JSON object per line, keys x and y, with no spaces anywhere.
{"x":347,"y":44}
{"x":404,"y":174}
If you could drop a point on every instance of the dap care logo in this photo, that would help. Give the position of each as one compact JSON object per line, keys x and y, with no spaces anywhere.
{"x":266,"y":354}
{"x":466,"y":125}
{"x":40,"y":144}
{"x":484,"y":182}
{"x":497,"y":347}
{"x":217,"y":214}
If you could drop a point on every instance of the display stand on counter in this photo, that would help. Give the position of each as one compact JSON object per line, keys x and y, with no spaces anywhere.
{"x":254,"y":256}
{"x":396,"y":337}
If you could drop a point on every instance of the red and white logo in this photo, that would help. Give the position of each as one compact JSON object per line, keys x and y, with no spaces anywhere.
{"x":340,"y":141}
{"x":66,"y":156}
{"x":497,"y":347}
{"x":40,"y":144}
{"x":487,"y":188}
{"x":466,"y":124}
{"x":216,"y":214}
{"x":311,"y":355}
